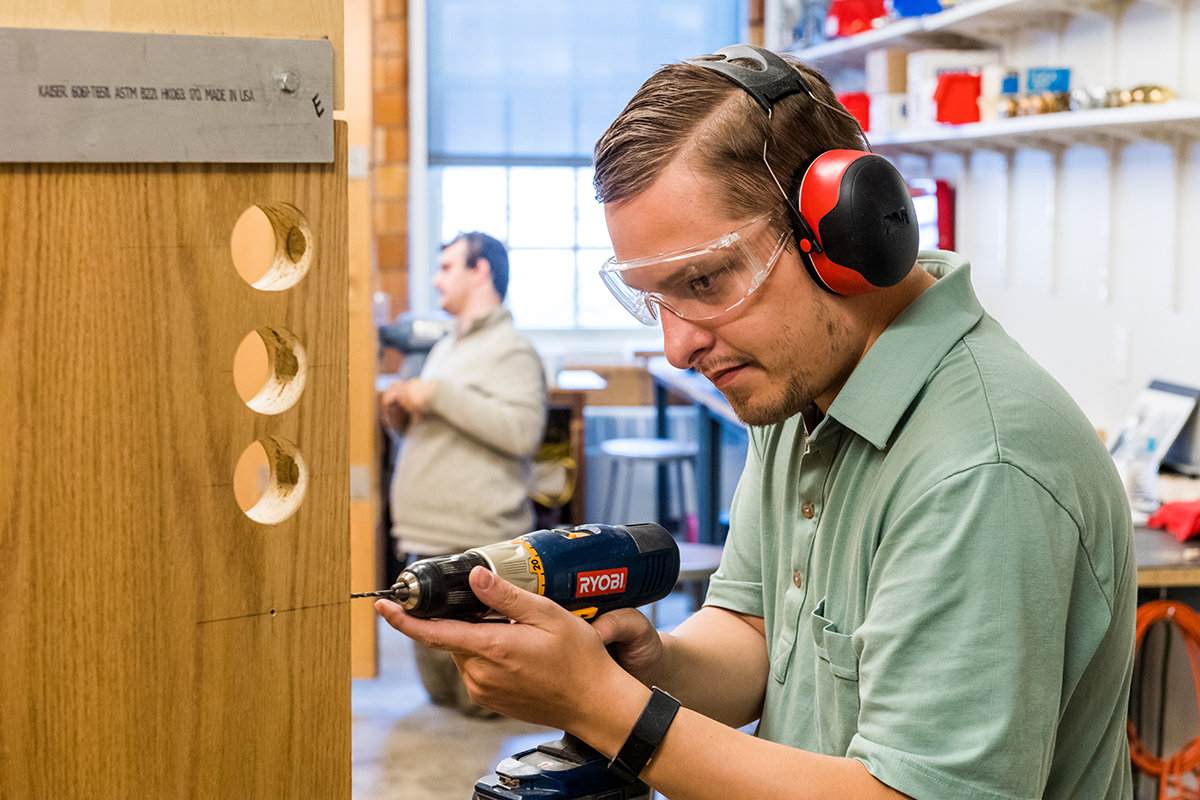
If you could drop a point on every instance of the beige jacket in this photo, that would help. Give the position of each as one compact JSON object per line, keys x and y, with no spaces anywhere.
{"x":463,"y":473}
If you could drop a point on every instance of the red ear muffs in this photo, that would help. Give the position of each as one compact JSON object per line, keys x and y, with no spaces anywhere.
{"x":858,"y":229}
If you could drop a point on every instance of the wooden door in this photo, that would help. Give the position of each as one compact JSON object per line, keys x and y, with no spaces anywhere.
{"x":155,"y":640}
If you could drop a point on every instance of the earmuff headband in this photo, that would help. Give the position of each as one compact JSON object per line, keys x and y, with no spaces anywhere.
{"x":768,"y":83}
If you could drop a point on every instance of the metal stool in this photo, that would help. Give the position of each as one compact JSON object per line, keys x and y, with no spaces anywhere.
{"x":627,"y":453}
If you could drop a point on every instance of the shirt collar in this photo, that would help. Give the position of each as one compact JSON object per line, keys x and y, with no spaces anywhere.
{"x":901,"y":360}
{"x":494,"y":317}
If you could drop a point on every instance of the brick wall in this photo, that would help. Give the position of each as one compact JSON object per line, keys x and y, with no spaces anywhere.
{"x":389,"y":198}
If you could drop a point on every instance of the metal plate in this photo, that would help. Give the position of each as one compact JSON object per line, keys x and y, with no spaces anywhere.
{"x":96,"y":96}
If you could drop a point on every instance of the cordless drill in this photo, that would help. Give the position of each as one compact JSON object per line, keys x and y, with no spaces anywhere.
{"x":588,"y":570}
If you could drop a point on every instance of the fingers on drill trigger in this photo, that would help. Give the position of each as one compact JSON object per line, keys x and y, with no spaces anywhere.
{"x":605,"y":628}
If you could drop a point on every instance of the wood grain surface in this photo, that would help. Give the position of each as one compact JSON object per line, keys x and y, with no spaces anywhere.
{"x":158,"y":643}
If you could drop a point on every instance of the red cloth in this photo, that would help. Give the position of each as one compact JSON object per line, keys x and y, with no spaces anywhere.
{"x":1182,"y":519}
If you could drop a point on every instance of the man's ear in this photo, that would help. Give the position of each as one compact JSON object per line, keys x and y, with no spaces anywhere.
{"x":484,"y":269}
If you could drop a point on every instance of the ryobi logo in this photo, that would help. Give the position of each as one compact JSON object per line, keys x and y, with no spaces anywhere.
{"x":603,"y":581}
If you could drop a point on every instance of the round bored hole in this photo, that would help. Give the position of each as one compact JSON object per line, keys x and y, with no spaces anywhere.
{"x":269,"y":369}
{"x":271,"y":245}
{"x":270,"y":480}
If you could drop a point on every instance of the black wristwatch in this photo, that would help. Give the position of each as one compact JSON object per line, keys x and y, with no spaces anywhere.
{"x":646,"y":736}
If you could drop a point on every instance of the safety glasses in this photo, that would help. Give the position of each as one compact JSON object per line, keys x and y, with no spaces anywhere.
{"x":701,"y":282}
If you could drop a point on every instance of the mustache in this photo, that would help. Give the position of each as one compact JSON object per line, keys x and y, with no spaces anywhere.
{"x":717,"y":366}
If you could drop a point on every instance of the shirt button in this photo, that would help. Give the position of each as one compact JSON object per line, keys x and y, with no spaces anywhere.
{"x":808,"y":510}
{"x":798,"y":579}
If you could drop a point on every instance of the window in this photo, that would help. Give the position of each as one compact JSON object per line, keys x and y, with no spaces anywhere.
{"x":519,"y":92}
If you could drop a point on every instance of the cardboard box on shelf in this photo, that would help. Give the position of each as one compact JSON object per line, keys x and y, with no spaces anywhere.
{"x":999,"y":81}
{"x":888,"y":112}
{"x":887,"y":71}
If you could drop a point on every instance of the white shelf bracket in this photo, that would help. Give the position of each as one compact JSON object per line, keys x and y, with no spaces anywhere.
{"x":1010,"y":204}
{"x":1181,"y":150}
{"x":1108,"y":280}
{"x":1056,"y":225}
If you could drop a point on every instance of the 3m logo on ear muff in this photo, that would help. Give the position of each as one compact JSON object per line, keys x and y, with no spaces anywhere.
{"x":857,"y":223}
{"x":895,"y":221}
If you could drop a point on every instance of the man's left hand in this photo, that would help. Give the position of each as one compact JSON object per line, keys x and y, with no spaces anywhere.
{"x":534,"y":668}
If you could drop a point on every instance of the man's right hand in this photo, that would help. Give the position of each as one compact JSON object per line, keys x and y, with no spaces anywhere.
{"x":394,"y":412}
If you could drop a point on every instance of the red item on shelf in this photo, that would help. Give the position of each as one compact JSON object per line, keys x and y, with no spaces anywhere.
{"x":945,"y":207}
{"x":957,"y":97}
{"x":848,"y":17}
{"x":858,"y":104}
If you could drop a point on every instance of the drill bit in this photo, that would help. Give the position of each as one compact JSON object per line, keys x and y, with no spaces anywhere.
{"x":398,"y":593}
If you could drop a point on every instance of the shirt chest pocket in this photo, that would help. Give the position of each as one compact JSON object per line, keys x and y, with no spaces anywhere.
{"x":836,"y":684}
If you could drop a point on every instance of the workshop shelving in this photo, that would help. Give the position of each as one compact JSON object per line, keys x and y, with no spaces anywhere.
{"x":974,"y":24}
{"x":1020,"y":31}
{"x":1164,"y":123}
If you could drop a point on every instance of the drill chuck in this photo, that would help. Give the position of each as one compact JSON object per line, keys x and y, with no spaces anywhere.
{"x":438,"y":587}
{"x":589,"y":570}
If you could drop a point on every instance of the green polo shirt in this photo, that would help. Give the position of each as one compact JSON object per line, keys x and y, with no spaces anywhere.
{"x":945,"y":568}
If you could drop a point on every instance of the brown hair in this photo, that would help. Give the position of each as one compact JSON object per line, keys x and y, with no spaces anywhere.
{"x":685,"y":111}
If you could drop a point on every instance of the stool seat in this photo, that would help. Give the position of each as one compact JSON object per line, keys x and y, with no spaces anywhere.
{"x":661,"y":454}
{"x":649,"y":449}
{"x":697,"y":562}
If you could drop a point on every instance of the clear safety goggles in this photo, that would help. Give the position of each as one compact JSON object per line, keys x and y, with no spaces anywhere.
{"x":701,"y":282}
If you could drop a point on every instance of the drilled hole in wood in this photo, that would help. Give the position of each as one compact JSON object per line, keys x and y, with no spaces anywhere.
{"x":272,"y":246}
{"x":270,"y":480}
{"x":269,"y":369}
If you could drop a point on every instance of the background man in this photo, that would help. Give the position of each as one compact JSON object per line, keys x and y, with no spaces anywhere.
{"x":471,"y":423}
{"x":928,"y":588}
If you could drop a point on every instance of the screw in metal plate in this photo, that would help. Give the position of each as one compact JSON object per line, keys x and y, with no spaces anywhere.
{"x":288,"y":82}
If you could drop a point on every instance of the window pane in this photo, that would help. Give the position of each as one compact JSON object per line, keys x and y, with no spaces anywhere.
{"x":542,"y":123}
{"x":474,"y":199}
{"x":593,"y":231}
{"x":597,"y":307}
{"x":468,"y":122}
{"x":514,"y":81}
{"x":542,"y":207}
{"x":541,"y":288}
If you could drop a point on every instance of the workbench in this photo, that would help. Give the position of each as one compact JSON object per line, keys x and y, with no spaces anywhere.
{"x":1163,"y":561}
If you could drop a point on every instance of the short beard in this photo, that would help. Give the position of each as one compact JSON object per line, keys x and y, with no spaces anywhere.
{"x":795,"y":398}
{"x":798,"y":392}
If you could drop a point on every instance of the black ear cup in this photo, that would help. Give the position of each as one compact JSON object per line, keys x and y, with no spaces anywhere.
{"x":858,"y":229}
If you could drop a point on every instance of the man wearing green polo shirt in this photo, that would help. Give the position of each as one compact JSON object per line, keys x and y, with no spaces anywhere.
{"x":928,"y":588}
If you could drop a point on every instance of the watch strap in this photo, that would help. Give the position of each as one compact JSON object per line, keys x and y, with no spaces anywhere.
{"x":646,"y":736}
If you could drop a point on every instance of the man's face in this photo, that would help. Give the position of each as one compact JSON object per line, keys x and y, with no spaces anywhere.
{"x":453,"y":279}
{"x":788,"y":345}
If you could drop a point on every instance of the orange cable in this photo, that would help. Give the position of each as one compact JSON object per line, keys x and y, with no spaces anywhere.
{"x":1188,"y":758}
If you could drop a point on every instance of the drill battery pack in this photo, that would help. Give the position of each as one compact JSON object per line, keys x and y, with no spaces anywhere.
{"x":566,"y":769}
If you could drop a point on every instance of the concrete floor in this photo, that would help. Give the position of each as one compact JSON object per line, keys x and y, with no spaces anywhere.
{"x":406,"y":748}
